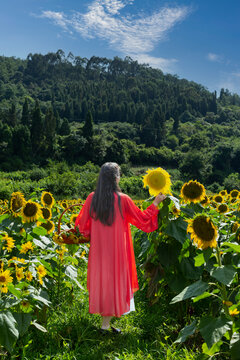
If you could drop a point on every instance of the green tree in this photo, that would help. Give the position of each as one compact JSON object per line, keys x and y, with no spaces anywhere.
{"x":25,"y":120}
{"x":37,"y":129}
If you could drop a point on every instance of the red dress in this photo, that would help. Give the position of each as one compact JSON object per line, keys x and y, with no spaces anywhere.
{"x":112,"y":276}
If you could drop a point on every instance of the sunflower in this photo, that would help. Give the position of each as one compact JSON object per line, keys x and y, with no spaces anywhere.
{"x":41,"y":271}
{"x":46,"y":213}
{"x":193,"y":191}
{"x":158,"y":180}
{"x":222,"y":208}
{"x":223,"y":192}
{"x":202,"y":231}
{"x":233,"y":200}
{"x":234,"y":227}
{"x":73,"y":218}
{"x":29,"y":276}
{"x":5,"y":279}
{"x":9,"y":243}
{"x":58,"y":239}
{"x":25,"y":305}
{"x":214,"y":204}
{"x":31,"y":211}
{"x":47,"y":199}
{"x":205,"y":201}
{"x":234,"y":312}
{"x":218,"y":198}
{"x":176,"y":211}
{"x":64,"y":204}
{"x":49,"y":225}
{"x":19,"y":273}
{"x":26,"y":247}
{"x":17,"y":201}
{"x":61,"y":252}
{"x":234,"y":193}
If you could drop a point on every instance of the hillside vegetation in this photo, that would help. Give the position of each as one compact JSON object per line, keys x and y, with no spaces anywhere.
{"x":58,"y":108}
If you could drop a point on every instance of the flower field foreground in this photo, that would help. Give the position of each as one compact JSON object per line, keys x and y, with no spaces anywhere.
{"x":34,"y":270}
{"x":193,"y":257}
{"x":195,"y":254}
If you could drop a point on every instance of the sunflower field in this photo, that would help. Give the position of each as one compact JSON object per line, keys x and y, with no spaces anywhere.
{"x":34,"y":270}
{"x":193,"y":257}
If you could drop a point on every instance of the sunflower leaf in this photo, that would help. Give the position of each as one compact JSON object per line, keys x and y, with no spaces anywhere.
{"x":8,"y":330}
{"x":190,"y":291}
{"x":235,"y":346}
{"x":212,"y":329}
{"x":224,"y":274}
{"x":186,"y":332}
{"x":233,"y":247}
{"x":23,"y":320}
{"x":177,"y":229}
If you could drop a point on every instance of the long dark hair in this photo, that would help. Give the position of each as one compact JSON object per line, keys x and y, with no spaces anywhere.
{"x":102,"y":205}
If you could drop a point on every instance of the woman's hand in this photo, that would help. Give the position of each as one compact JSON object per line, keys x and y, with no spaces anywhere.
{"x":159,"y":198}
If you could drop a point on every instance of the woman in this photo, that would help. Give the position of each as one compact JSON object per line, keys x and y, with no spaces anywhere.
{"x":106,"y":216}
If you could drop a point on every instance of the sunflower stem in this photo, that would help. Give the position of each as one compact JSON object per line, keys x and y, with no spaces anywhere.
{"x":222,"y":287}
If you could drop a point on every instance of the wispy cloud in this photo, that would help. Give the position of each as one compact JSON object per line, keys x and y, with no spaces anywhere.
{"x":230,"y":81}
{"x":136,"y":35}
{"x":214,"y":57}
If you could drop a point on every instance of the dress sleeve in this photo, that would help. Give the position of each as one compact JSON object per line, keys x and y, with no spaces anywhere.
{"x":146,"y":220}
{"x":83,"y":221}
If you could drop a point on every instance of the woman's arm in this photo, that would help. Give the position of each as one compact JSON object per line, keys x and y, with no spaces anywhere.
{"x":146,"y":220}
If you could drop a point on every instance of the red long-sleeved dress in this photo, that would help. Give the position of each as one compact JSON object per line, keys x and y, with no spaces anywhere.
{"x":112,"y":276}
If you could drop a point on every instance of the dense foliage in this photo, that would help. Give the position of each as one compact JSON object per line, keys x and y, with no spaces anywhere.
{"x":76,"y":109}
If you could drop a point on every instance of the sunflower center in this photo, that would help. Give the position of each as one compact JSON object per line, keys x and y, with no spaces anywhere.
{"x":30,"y":210}
{"x":46,"y":213}
{"x":16,"y":203}
{"x":234,"y":193}
{"x":203,"y":229}
{"x":192,"y":190}
{"x":48,"y":199}
{"x":218,"y":199}
{"x":48,"y":225}
{"x":222,"y":208}
{"x":3,"y":279}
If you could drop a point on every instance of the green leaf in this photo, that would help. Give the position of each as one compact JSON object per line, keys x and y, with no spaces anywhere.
{"x":205,"y":295}
{"x":8,"y":330}
{"x":233,"y":247}
{"x":186,"y":332}
{"x":192,"y":290}
{"x":175,"y":201}
{"x":189,"y":270}
{"x":177,"y":229}
{"x":14,"y":291}
{"x":3,"y":217}
{"x":39,"y":244}
{"x":212,"y":329}
{"x":199,"y":260}
{"x":71,"y":272}
{"x":168,"y":253}
{"x":215,"y":348}
{"x":23,"y":320}
{"x":235,"y":346}
{"x":224,"y":274}
{"x":38,"y":326}
{"x":39,"y":230}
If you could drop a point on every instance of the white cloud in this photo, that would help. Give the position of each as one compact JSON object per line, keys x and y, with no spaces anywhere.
{"x":166,"y":65}
{"x":214,"y":57}
{"x":230,"y":81}
{"x":131,"y":35}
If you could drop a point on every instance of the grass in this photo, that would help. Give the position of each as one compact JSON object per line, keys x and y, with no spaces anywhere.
{"x":73,"y":333}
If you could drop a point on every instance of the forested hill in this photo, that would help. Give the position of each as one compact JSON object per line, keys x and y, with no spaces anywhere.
{"x":60,"y":107}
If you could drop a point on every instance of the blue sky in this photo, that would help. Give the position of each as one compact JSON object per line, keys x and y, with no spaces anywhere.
{"x":195,"y":39}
